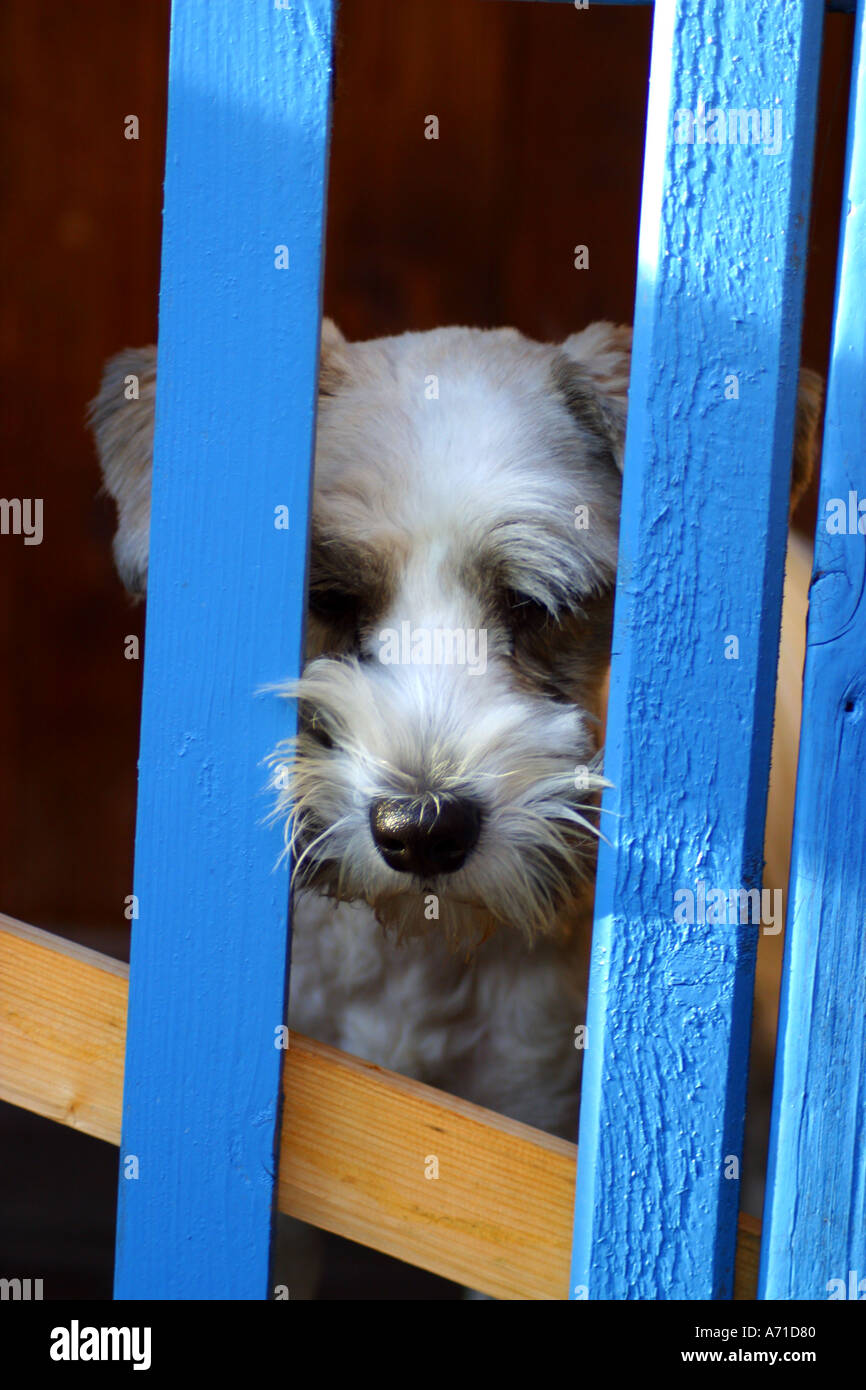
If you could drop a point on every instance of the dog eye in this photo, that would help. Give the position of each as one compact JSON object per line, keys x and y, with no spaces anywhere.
{"x":522,"y":608}
{"x":334,"y":605}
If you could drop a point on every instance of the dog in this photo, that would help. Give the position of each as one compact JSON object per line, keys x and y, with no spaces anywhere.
{"x":441,"y":799}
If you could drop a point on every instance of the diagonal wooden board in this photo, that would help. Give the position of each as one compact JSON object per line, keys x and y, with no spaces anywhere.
{"x":356,"y":1139}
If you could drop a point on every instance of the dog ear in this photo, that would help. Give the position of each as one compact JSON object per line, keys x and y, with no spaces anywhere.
{"x":591,"y":372}
{"x":592,"y":369}
{"x":333,"y":359}
{"x":122,"y":418}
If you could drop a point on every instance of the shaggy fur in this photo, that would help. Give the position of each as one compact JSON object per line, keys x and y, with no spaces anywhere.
{"x":449,"y":467}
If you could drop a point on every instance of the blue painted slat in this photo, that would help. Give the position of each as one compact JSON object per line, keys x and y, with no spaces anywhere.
{"x":815,"y":1216}
{"x":249,"y":91}
{"x":722,"y":254}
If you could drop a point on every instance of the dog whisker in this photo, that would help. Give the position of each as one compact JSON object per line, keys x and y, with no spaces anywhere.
{"x":308,"y":850}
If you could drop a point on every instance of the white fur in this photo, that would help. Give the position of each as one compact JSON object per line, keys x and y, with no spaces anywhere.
{"x":496,"y":1028}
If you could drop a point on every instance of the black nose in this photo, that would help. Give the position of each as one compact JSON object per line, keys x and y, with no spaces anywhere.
{"x":425,"y":835}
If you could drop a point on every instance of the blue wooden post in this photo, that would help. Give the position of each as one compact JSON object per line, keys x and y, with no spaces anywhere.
{"x":814,"y":1243}
{"x":723,"y":244}
{"x":249,"y":93}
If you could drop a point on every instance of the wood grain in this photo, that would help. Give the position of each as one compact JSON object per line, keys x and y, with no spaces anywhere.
{"x":355,"y":1139}
{"x":497,"y":1217}
{"x":62,"y":1029}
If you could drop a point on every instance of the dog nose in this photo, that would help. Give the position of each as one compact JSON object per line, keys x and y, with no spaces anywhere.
{"x":425,"y":835}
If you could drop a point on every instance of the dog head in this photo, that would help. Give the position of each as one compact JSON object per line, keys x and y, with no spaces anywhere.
{"x":462,"y":568}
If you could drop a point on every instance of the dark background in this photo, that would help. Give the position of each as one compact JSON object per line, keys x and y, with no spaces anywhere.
{"x":541,"y":111}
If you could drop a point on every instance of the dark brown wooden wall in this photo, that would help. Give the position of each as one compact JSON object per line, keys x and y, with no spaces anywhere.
{"x":541,"y":112}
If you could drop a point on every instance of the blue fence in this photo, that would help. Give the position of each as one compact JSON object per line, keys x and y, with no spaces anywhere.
{"x":722,"y":256}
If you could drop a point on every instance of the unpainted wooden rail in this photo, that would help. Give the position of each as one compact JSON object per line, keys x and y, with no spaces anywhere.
{"x":354,"y":1136}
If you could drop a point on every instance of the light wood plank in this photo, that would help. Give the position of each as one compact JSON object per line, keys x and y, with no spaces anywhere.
{"x":62,"y":1029}
{"x":354,"y":1140}
{"x":498,"y":1216}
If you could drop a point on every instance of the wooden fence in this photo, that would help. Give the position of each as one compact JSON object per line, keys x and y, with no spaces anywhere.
{"x":723,"y":241}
